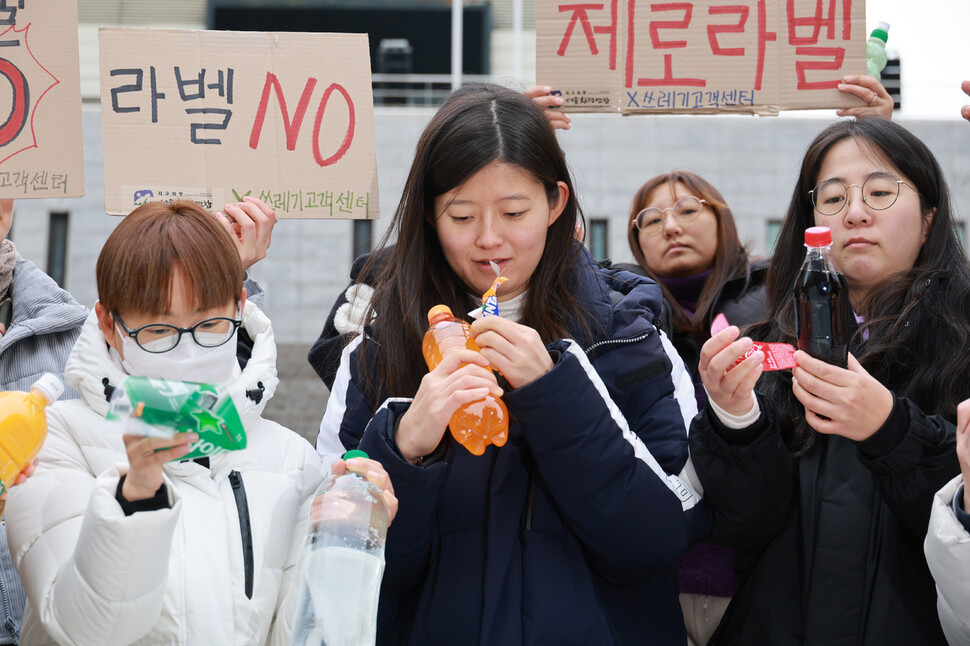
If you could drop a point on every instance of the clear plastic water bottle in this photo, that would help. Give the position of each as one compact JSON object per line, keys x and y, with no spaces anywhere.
{"x":876,"y":50}
{"x":343,"y":563}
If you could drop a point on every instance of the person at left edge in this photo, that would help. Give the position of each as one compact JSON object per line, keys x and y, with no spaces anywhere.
{"x":571,"y":531}
{"x":115,"y":542}
{"x":39,"y":323}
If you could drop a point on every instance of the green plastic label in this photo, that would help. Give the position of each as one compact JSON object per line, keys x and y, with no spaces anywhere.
{"x":161,"y":408}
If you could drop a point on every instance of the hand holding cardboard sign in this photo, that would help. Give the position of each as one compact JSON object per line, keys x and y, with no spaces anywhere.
{"x":250,"y":223}
{"x":878,"y":101}
{"x":543,"y":97}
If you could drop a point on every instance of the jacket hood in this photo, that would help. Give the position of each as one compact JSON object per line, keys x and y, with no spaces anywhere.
{"x":91,"y":368}
{"x":39,"y":306}
{"x":619,"y":300}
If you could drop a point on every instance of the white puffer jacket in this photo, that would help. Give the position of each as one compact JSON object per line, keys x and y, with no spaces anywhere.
{"x":170,"y":576}
{"x":947,"y":548}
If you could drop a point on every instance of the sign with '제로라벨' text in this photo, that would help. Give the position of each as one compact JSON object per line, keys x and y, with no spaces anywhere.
{"x":700,"y":56}
{"x":41,"y":145}
{"x":214,"y":116}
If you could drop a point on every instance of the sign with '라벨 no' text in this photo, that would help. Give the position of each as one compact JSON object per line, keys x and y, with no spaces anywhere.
{"x":214,"y":116}
{"x":41,"y":145}
{"x":700,"y":56}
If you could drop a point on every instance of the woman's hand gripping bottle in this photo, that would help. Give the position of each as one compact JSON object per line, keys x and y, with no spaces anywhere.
{"x":23,"y":426}
{"x":822,"y":302}
{"x":342,"y":565}
{"x":479,"y":423}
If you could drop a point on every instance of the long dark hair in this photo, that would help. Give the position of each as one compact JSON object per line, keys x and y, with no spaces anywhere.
{"x":730,"y":258}
{"x":477,"y":125}
{"x":918,"y":321}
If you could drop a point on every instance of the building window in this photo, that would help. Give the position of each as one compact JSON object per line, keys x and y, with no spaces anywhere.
{"x":57,"y":247}
{"x":363,"y":233}
{"x":597,"y":237}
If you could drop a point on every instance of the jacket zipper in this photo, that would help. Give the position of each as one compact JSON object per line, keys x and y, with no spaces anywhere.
{"x":245,"y":528}
{"x":635,"y":339}
{"x":8,"y":621}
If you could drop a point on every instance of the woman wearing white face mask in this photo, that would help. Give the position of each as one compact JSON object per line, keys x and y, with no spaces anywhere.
{"x":116,"y":543}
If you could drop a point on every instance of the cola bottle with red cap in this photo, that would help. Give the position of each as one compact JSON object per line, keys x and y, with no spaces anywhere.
{"x":822,"y":302}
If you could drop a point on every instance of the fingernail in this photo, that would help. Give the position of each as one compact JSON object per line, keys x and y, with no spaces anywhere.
{"x":246,"y":198}
{"x":746,"y":343}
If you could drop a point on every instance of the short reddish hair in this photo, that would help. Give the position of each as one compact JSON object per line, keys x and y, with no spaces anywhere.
{"x":140,"y":258}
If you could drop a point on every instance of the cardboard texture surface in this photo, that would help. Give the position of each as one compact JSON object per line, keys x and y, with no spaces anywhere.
{"x":213,"y":116}
{"x":702,"y":56}
{"x":41,"y":145}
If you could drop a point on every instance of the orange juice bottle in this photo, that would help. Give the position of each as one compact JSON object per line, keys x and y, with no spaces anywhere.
{"x":23,"y":426}
{"x":479,"y":423}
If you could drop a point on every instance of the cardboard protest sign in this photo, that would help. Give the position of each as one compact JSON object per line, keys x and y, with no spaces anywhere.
{"x":41,"y":145}
{"x":700,"y":56}
{"x":213,"y":116}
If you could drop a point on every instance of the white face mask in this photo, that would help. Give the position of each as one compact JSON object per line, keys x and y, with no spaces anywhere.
{"x":188,"y":361}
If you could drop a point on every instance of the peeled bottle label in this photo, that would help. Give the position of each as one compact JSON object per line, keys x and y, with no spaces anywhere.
{"x":778,"y":356}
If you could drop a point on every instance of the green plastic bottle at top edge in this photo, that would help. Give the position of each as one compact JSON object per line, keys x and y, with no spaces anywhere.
{"x":876,"y":50}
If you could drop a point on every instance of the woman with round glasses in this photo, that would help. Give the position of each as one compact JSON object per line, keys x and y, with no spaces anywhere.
{"x":682,"y":234}
{"x":828,"y":472}
{"x":116,"y":540}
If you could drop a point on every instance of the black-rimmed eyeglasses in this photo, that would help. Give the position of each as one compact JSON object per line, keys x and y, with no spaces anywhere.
{"x":162,"y":337}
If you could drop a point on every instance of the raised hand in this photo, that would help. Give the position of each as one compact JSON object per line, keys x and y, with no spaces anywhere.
{"x":250,"y":223}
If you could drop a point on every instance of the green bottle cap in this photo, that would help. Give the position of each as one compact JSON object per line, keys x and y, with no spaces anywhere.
{"x":355,"y":453}
{"x":881,"y":32}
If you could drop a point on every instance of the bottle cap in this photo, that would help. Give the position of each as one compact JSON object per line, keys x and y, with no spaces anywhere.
{"x":438,"y":312}
{"x":881,"y":32}
{"x":50,"y":386}
{"x":818,"y":236}
{"x":355,"y":453}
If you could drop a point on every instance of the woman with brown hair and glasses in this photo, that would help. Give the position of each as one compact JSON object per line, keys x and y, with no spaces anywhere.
{"x":682,"y":234}
{"x":830,"y":472}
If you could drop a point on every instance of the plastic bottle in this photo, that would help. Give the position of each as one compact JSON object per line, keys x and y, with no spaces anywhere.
{"x":23,"y":426}
{"x":479,"y":423}
{"x":342,"y":565}
{"x":822,"y":302}
{"x":876,"y":50}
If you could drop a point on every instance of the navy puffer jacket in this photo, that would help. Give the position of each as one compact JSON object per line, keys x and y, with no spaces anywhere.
{"x":571,"y":532}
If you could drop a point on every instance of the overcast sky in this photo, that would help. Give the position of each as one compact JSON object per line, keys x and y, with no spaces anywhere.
{"x":930,"y":37}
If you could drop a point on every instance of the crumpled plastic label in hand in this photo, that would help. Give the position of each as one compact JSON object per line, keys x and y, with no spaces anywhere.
{"x":778,"y":356}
